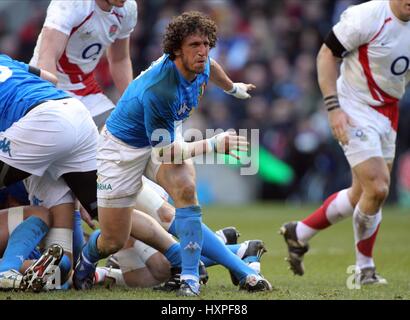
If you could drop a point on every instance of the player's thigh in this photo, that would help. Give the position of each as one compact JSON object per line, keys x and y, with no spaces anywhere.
{"x":173,"y":177}
{"x":4,"y":230}
{"x":115,"y":223}
{"x":372,"y":173}
{"x":140,"y":278}
{"x":159,"y":266}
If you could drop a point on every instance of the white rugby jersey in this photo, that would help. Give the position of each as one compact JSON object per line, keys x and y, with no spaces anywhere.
{"x":376,"y":69}
{"x":91,"y":30}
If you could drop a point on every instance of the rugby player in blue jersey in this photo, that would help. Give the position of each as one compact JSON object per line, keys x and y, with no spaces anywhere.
{"x":139,"y":139}
{"x":43,"y":131}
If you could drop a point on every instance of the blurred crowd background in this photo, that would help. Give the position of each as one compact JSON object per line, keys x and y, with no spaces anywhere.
{"x":272,"y":44}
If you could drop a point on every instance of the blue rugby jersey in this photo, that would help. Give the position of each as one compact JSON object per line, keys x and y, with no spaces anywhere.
{"x":20,"y":89}
{"x":157,"y":98}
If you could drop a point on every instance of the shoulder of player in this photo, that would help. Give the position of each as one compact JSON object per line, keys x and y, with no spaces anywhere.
{"x":131,"y":6}
{"x":163,"y":90}
{"x":73,"y":7}
{"x":368,"y":12}
{"x":130,"y":9}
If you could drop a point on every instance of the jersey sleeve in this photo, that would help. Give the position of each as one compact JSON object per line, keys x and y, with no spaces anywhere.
{"x":160,"y":119}
{"x":354,"y":28}
{"x":65,"y":15}
{"x":22,"y":65}
{"x":130,"y":21}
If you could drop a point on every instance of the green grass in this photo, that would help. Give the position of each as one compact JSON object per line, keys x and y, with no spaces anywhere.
{"x":331,"y":253}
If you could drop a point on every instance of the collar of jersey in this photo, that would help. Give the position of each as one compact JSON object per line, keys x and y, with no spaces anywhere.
{"x":184,"y":81}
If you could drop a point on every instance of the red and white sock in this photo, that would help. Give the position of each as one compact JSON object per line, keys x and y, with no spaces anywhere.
{"x":365,"y":229}
{"x":334,"y":209}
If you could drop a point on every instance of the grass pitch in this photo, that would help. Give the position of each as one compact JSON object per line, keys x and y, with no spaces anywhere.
{"x":332,"y":252}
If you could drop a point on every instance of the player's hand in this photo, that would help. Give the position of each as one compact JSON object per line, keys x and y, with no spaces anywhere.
{"x":85,"y":216}
{"x":229,"y":141}
{"x":240,"y":90}
{"x":339,"y":122}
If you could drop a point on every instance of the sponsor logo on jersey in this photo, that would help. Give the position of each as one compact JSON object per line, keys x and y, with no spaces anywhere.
{"x":5,"y":146}
{"x":113,"y":30}
{"x":184,"y":108}
{"x":86,"y":35}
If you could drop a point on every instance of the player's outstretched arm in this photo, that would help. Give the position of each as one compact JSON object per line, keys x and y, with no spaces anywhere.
{"x":52,"y":46}
{"x":119,"y":60}
{"x":220,"y":78}
{"x":327,"y":69}
{"x":225,"y":143}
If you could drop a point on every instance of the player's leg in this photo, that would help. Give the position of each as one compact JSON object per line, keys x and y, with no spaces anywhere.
{"x":119,"y":181}
{"x":24,"y":228}
{"x":140,"y":266}
{"x":179,"y":182}
{"x":214,"y":252}
{"x":59,"y":199}
{"x":374,"y":175}
{"x":335,"y":208}
{"x":371,"y":155}
{"x":150,"y":232}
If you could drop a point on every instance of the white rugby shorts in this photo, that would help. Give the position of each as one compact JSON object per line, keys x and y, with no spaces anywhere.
{"x":57,"y":136}
{"x":371,"y":136}
{"x":46,"y":192}
{"x":120,"y":170}
{"x":96,"y":103}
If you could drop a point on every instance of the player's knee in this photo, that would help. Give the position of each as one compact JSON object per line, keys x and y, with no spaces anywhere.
{"x":166,"y":213}
{"x":381,"y":192}
{"x":379,"y":189}
{"x":113,"y":245}
{"x":39,"y":212}
{"x":187,"y":192}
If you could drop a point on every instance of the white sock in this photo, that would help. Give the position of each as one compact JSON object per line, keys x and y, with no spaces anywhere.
{"x":364,"y":228}
{"x":338,"y":209}
{"x":100,"y":274}
{"x":117,"y":275}
{"x":304,"y":232}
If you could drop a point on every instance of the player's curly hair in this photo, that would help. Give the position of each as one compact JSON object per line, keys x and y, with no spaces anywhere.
{"x":184,"y":25}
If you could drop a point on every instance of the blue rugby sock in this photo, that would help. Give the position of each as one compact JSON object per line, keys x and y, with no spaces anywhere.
{"x":209,"y":262}
{"x":65,"y":267}
{"x":173,"y":254}
{"x":215,"y":252}
{"x":214,"y":249}
{"x":189,"y":232}
{"x":22,"y":242}
{"x":78,"y":236}
{"x":90,"y":250}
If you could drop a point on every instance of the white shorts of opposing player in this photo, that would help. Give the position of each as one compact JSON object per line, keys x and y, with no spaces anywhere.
{"x":371,"y":136}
